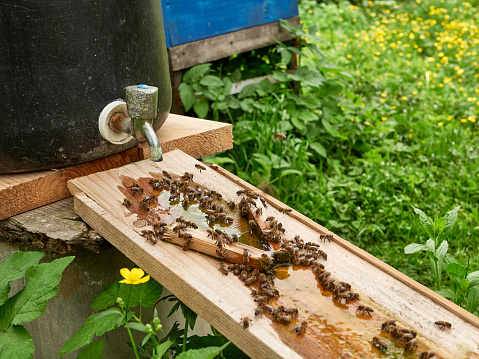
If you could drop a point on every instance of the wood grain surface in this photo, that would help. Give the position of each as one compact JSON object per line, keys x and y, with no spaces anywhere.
{"x":335,"y":329}
{"x":25,"y":191}
{"x":219,"y":47}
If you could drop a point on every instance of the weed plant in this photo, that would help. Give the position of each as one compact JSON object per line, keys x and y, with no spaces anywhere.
{"x":380,"y":115}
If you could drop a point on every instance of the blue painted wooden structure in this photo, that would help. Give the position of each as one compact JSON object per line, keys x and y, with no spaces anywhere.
{"x":192,"y":20}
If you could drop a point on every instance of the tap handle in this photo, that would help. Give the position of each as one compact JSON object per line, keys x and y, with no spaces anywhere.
{"x":142,"y":102}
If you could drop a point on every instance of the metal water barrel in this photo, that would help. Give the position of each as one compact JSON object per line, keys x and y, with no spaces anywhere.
{"x":61,"y":63}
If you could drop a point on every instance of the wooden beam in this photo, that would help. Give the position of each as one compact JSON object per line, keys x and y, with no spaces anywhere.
{"x":218,"y":47}
{"x":25,"y":191}
{"x":332,"y":327}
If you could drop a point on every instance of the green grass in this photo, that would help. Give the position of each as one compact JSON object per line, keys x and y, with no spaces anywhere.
{"x":381,"y":123}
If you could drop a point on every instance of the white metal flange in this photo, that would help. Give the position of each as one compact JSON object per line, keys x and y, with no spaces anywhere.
{"x":107,"y":133}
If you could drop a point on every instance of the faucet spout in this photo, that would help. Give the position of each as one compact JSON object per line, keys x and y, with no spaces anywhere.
{"x":145,"y":127}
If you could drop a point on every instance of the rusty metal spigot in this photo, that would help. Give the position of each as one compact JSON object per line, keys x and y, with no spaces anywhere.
{"x":142,"y":105}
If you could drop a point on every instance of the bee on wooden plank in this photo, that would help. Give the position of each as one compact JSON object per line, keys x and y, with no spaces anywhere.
{"x":427,"y":355}
{"x":135,"y":188}
{"x":411,"y":345}
{"x":187,"y":176}
{"x":245,"y":322}
{"x":245,"y":256}
{"x":185,"y":235}
{"x":144,"y":206}
{"x":148,"y":199}
{"x":221,"y":253}
{"x":258,"y":212}
{"x":250,"y":280}
{"x":186,"y":245}
{"x":362,"y":309}
{"x":232,"y":204}
{"x":282,"y":318}
{"x":443,"y":325}
{"x":388,"y":326}
{"x":200,"y":167}
{"x":224,"y":269}
{"x":150,"y":236}
{"x":263,"y":201}
{"x":126,"y":203}
{"x":301,"y":328}
{"x":166,"y":174}
{"x":379,"y":343}
{"x":285,"y":210}
{"x":253,"y":223}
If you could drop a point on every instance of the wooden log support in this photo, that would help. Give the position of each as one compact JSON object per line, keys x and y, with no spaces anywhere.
{"x":335,"y":328}
{"x":25,"y":191}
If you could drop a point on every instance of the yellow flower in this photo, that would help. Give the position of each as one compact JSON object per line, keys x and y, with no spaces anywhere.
{"x":440,"y":124}
{"x":463,"y":120}
{"x":384,"y":94}
{"x":367,"y":123}
{"x":382,"y":100}
{"x":384,"y":118}
{"x":410,"y":135}
{"x":133,"y":277}
{"x":420,"y":83}
{"x":449,"y":118}
{"x":349,"y":56}
{"x":394,"y":107}
{"x":404,"y":98}
{"x":414,"y":93}
{"x":472,"y":118}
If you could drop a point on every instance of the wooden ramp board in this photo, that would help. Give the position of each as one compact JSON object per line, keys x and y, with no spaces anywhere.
{"x":25,"y":191}
{"x":334,"y":329}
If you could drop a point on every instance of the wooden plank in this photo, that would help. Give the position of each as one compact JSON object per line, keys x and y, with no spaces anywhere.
{"x":187,"y":21}
{"x":334,"y":329}
{"x":25,"y":191}
{"x":218,"y":47}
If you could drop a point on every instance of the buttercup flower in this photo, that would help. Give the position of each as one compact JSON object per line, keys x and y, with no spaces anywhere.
{"x":134,"y":276}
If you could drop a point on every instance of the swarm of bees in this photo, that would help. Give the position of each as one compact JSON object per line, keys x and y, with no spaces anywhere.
{"x":401,"y":335}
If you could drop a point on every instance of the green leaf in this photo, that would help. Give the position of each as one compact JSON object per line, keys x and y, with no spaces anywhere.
{"x":451,"y":218}
{"x":473,"y":278}
{"x":146,"y":293}
{"x":113,"y":311}
{"x":439,"y":226}
{"x":137,"y":326}
{"x":447,"y":294}
{"x":442,"y":250}
{"x":85,"y":334}
{"x":31,"y":301}
{"x":318,"y":148}
{"x":14,"y":267}
{"x":16,"y":343}
{"x":456,"y":270}
{"x":413,"y":248}
{"x":308,"y":116}
{"x":162,"y":349}
{"x":196,"y":73}
{"x":204,"y":353}
{"x":187,"y":95}
{"x":93,"y":351}
{"x":464,"y":285}
{"x":425,"y":221}
{"x":211,"y":81}
{"x":473,"y":299}
{"x":201,"y":108}
{"x":328,"y":127}
{"x":430,"y":245}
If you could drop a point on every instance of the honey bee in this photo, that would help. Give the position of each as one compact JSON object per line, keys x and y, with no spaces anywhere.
{"x":166,"y":174}
{"x":221,"y":253}
{"x":224,"y":269}
{"x":174,"y":197}
{"x":126,"y":203}
{"x":388,"y":326}
{"x":280,"y":137}
{"x":200,"y":167}
{"x":187,"y":176}
{"x":245,"y":256}
{"x":148,"y":199}
{"x":283,"y":319}
{"x":443,"y":325}
{"x":258,"y":212}
{"x":269,"y":219}
{"x":250,"y":280}
{"x":291,"y":311}
{"x":135,"y":188}
{"x":253,"y":223}
{"x":285,"y":210}
{"x":301,"y":328}
{"x":379,"y":343}
{"x":150,"y":236}
{"x":185,"y":236}
{"x":362,"y":309}
{"x":144,"y":206}
{"x":260,"y":299}
{"x":245,"y":322}
{"x":427,"y":355}
{"x":411,"y":345}
{"x":186,"y":246}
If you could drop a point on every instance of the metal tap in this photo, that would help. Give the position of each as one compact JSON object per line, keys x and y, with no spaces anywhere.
{"x":142,"y":104}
